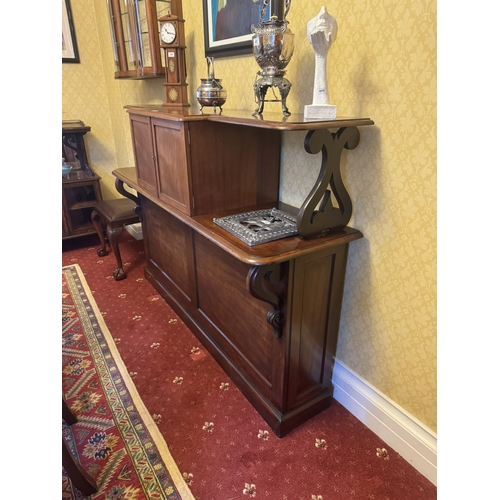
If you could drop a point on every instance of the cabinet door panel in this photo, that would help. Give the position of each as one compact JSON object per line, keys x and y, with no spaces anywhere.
{"x":317,"y":289}
{"x":172,"y":158}
{"x":236,"y":321}
{"x":169,"y":249}
{"x":143,"y":153}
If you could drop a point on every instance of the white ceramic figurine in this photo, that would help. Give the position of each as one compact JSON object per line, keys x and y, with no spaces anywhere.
{"x":321,"y":33}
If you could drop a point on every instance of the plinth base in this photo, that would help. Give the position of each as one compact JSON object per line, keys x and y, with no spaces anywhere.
{"x":320,"y":112}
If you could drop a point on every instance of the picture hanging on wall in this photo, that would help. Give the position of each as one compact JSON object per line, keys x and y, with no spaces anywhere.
{"x":228,"y":26}
{"x":69,"y":47}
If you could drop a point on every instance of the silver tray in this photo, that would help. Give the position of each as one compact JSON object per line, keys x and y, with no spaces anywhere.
{"x":260,"y":226}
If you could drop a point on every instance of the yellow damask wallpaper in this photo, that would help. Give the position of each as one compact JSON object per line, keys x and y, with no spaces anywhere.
{"x":382,"y":66}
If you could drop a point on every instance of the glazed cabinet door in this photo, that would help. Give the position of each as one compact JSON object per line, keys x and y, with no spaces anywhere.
{"x":135,"y":38}
{"x":144,"y":154}
{"x":171,"y":143}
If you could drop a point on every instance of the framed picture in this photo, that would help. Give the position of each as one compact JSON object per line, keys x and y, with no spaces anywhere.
{"x":227,"y":26}
{"x":69,"y":48}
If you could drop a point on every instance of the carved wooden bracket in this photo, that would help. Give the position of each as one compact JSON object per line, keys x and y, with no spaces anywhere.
{"x":267,"y":283}
{"x":310,"y":221}
{"x":121,"y":189}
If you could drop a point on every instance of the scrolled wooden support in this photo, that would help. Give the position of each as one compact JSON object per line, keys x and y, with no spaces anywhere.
{"x":121,"y":189}
{"x":267,"y":283}
{"x":311,"y":221}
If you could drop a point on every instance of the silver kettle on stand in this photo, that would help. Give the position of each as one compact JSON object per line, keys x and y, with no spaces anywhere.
{"x":211,"y":92}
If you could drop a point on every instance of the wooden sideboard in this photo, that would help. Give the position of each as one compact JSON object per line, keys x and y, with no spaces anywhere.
{"x":269,"y":314}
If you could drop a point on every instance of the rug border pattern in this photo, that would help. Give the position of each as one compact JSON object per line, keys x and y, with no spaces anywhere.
{"x":156,"y":472}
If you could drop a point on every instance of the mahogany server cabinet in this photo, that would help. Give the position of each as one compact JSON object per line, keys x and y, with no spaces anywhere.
{"x":269,"y":313}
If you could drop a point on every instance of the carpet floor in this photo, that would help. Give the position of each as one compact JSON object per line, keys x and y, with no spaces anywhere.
{"x":221,"y":445}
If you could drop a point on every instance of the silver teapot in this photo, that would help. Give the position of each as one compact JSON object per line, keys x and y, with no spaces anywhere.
{"x":211,"y":92}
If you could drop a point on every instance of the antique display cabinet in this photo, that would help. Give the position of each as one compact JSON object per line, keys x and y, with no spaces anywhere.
{"x":81,"y":188}
{"x":268,"y":312}
{"x":135,"y":39}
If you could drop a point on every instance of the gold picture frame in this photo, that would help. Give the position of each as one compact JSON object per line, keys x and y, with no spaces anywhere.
{"x":69,"y":47}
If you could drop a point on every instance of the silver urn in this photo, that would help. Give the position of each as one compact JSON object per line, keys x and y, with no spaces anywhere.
{"x":273,"y":45}
{"x":211,"y":92}
{"x":273,"y":42}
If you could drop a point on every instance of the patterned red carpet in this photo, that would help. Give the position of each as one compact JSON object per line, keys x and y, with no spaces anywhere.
{"x":222,"y":447}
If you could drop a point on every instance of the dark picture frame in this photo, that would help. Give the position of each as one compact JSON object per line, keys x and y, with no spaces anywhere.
{"x":233,"y":22}
{"x":69,"y":46}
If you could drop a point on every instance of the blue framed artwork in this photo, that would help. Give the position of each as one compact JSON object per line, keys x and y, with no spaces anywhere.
{"x":227,"y":26}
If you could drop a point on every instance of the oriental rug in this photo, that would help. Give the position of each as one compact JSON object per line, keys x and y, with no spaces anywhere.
{"x":115,"y":439}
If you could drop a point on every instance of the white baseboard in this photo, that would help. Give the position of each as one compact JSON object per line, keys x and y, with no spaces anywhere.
{"x":135,"y":230}
{"x":414,"y":441}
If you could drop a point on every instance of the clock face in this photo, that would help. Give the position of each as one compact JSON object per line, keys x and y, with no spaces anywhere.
{"x":168,"y":32}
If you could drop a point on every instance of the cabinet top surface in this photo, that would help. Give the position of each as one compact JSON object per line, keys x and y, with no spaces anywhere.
{"x":74,"y":126}
{"x":270,"y":120}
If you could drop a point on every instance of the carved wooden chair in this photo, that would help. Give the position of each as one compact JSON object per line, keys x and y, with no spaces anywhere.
{"x":77,"y":474}
{"x":110,"y":217}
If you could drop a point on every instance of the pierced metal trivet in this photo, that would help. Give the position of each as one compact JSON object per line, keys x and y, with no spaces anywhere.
{"x":260,"y":226}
